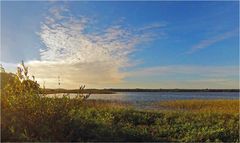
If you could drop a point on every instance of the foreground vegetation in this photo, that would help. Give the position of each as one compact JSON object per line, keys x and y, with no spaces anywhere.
{"x":27,"y":115}
{"x":64,"y":119}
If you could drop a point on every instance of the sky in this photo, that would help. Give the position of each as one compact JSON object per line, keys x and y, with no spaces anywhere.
{"x":155,"y":44}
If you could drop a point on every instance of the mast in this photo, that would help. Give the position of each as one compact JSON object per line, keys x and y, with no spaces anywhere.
{"x":59,"y":84}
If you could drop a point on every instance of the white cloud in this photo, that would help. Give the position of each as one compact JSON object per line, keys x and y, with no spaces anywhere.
{"x":83,"y":54}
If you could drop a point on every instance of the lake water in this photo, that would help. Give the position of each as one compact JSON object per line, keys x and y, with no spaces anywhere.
{"x":144,"y":100}
{"x":160,"y":96}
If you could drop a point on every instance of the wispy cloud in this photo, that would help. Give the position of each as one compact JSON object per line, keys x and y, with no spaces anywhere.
{"x":208,"y":42}
{"x":153,"y":26}
{"x":185,"y":76}
{"x":57,"y":11}
{"x":202,"y":71}
{"x":213,"y":83}
{"x":81,"y":53}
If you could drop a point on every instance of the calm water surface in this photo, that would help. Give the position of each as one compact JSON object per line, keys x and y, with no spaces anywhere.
{"x":160,"y":96}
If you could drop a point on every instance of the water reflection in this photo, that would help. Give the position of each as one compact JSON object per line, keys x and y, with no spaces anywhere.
{"x":158,"y":96}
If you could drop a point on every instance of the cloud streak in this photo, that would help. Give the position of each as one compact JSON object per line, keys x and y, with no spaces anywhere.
{"x":202,"y":71}
{"x":185,"y":76}
{"x":208,"y":42}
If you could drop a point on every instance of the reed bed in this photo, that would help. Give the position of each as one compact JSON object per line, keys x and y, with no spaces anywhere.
{"x":221,"y":106}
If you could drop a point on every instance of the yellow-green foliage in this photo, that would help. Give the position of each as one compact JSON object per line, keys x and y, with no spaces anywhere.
{"x":19,"y":84}
{"x":223,"y":106}
{"x":35,"y":118}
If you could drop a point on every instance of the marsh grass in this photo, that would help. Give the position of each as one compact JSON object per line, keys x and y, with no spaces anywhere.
{"x":221,"y":106}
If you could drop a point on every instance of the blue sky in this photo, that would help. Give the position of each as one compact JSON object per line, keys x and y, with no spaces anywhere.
{"x":124,"y":44}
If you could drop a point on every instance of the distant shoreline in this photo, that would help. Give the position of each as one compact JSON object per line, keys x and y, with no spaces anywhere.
{"x":112,"y":91}
{"x":174,"y":90}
